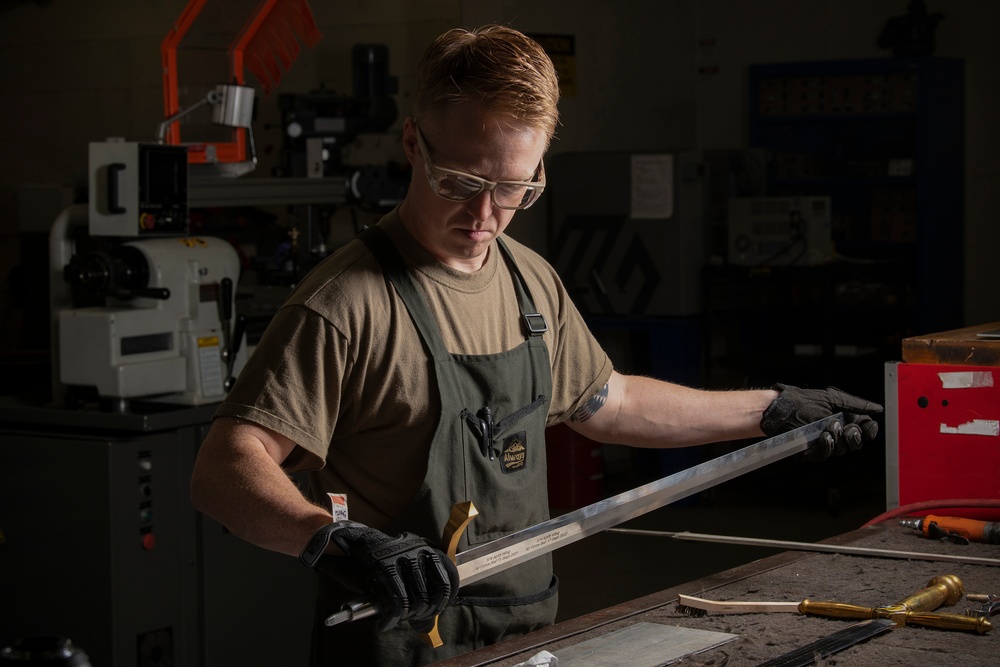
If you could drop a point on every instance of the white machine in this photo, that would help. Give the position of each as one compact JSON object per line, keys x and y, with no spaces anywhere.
{"x":165,"y":332}
{"x":779,"y":231}
{"x":148,"y":318}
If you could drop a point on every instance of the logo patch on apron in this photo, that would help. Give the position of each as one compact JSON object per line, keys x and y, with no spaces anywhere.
{"x":514,"y":452}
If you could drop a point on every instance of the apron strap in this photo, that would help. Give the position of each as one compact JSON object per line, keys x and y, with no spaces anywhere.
{"x":534,"y":322}
{"x":395,"y":268}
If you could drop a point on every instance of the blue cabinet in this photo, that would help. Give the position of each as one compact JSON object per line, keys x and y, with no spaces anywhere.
{"x":884,"y":139}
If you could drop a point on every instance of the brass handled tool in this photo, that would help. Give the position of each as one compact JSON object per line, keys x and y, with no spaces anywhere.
{"x":917,"y":609}
{"x":943,"y":590}
{"x":914,"y":610}
{"x":899,"y":616}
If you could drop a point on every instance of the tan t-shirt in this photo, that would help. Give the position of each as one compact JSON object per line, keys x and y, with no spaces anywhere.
{"x":342,"y":371}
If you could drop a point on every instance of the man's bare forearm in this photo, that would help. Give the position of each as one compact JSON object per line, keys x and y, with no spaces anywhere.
{"x":646,"y":412}
{"x":238,"y":482}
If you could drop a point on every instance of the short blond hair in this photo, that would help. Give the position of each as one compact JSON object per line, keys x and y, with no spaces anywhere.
{"x":498,"y":67}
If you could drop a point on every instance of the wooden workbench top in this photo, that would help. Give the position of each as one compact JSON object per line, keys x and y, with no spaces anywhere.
{"x":958,"y":346}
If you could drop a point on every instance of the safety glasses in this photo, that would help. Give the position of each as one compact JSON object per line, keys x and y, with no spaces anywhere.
{"x":455,"y":185}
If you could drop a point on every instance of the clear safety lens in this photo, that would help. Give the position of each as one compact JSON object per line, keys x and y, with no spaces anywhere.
{"x":457,"y":185}
{"x":505,"y":195}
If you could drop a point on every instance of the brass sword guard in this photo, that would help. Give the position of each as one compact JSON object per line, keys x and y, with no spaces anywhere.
{"x":917,"y":609}
{"x":461,"y":515}
{"x":944,"y":621}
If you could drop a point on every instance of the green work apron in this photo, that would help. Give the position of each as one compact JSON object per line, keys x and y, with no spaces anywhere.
{"x":489,"y":447}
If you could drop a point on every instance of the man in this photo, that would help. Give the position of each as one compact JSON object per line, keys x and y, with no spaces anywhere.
{"x":419,"y":366}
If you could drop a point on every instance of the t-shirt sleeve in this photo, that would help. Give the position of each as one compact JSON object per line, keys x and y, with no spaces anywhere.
{"x":580,"y":366}
{"x":292,"y":383}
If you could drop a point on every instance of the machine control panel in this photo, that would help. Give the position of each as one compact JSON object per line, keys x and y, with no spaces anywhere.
{"x":145,"y":478}
{"x":138,"y":189}
{"x":779,"y":231}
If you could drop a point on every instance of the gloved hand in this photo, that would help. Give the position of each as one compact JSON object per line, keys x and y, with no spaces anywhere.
{"x":411,"y":580}
{"x":797,"y":407}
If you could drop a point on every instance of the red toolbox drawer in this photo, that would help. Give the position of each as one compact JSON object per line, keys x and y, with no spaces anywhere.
{"x":943,"y":435}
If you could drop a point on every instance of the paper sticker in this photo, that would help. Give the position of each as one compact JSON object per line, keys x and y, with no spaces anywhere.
{"x":652,"y":187}
{"x":338,"y":506}
{"x":975,"y":427}
{"x":966,"y":379}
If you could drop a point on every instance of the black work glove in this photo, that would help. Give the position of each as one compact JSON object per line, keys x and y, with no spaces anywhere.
{"x":797,"y":407}
{"x":411,"y":580}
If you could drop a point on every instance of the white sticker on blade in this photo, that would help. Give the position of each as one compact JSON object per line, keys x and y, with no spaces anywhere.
{"x":975,"y":427}
{"x":966,"y":379}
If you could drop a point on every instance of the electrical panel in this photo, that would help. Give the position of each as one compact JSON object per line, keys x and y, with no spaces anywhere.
{"x":779,"y":231}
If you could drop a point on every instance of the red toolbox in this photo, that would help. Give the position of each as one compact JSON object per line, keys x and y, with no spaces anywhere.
{"x":943,"y":424}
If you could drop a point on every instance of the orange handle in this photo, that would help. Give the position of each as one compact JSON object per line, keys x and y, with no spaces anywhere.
{"x":970,"y":529}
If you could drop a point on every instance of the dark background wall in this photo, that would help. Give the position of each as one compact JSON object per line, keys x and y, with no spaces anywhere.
{"x":648,"y":75}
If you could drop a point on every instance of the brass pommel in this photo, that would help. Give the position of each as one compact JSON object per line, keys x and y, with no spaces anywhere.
{"x":944,"y":590}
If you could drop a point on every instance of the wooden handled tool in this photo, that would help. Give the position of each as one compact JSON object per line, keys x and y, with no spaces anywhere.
{"x":695,"y":606}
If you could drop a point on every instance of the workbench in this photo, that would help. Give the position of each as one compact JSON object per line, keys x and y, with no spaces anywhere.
{"x":793,"y":576}
{"x":977,"y":345}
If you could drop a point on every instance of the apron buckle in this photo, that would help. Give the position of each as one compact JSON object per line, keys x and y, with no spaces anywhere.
{"x":536,"y":323}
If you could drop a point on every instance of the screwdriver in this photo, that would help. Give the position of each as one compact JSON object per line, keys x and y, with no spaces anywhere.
{"x":955,"y":529}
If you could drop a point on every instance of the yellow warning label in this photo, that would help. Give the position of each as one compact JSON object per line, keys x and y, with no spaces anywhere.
{"x":208,"y":341}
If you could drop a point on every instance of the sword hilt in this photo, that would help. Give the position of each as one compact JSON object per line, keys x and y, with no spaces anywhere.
{"x":942,"y":590}
{"x":365,"y":607}
{"x":354,"y":610}
{"x":461,"y":515}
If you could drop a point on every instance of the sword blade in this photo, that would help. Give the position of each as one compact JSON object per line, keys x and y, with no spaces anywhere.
{"x":521,"y":546}
{"x":813,"y":652}
{"x":506,"y":552}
